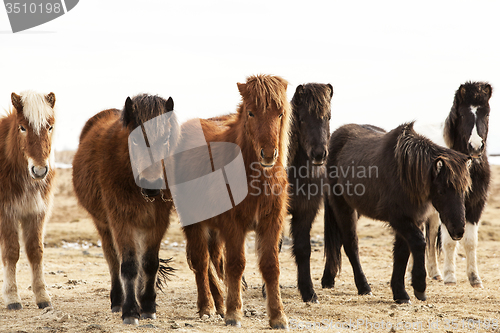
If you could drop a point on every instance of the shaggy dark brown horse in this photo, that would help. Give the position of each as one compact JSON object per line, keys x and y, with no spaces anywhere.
{"x":26,"y":195}
{"x":395,"y":177}
{"x":306,"y":172}
{"x":119,"y":179}
{"x":260,"y":130}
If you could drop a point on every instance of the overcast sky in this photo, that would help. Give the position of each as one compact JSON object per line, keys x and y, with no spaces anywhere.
{"x":388,"y":61}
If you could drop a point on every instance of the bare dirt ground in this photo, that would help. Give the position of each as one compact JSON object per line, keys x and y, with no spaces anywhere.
{"x":78,"y":281}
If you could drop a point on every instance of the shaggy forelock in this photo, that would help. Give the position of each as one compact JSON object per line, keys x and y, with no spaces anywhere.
{"x":316,"y":96}
{"x":36,"y":110}
{"x":265,"y":90}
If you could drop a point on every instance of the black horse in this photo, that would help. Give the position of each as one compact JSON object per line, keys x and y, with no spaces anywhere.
{"x":465,"y":130}
{"x":395,"y":177}
{"x":306,"y":172}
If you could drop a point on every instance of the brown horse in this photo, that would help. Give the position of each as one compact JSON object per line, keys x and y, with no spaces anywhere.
{"x":26,"y":182}
{"x":118,"y":178}
{"x":260,"y":130}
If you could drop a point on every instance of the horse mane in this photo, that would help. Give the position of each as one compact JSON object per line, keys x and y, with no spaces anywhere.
{"x":36,"y":109}
{"x":265,"y":90}
{"x":469,"y":93}
{"x":415,"y":158}
{"x":316,"y":96}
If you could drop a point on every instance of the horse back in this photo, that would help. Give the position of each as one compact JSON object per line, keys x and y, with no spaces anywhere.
{"x":100,"y":119}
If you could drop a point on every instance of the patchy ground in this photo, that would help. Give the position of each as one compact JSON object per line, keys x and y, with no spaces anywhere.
{"x":78,"y":281}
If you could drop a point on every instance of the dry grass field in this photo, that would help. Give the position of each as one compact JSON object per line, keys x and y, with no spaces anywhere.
{"x":78,"y":282}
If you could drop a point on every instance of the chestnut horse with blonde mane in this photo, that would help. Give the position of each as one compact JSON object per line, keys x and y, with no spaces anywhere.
{"x":260,"y":129}
{"x":26,"y":181}
{"x":130,"y":211}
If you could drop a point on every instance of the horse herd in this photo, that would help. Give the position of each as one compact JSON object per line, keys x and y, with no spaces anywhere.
{"x":400,"y":177}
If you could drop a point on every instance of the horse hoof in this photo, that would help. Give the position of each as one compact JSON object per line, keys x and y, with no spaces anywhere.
{"x":280,"y":326}
{"x":130,"y":321}
{"x":477,"y":285}
{"x":420,"y":295}
{"x":233,"y":322}
{"x":437,"y":278}
{"x":148,"y":315}
{"x":14,"y":306}
{"x":116,"y":308}
{"x":403,"y":301}
{"x":452,"y":283}
{"x":365,"y":292}
{"x":43,"y":305}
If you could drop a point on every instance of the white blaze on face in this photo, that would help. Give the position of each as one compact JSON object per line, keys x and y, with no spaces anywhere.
{"x":475,"y":140}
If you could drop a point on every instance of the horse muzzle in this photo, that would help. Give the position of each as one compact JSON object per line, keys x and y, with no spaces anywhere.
{"x":267,"y":161}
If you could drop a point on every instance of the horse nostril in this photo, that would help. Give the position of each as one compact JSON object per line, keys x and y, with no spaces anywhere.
{"x":324,"y":154}
{"x":275,"y":153}
{"x":262,"y":153}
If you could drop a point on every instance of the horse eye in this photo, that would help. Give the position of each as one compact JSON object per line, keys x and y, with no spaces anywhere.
{"x":50,"y":129}
{"x":250,"y":114}
{"x":281,"y":115}
{"x":329,"y":117}
{"x":22,"y":129}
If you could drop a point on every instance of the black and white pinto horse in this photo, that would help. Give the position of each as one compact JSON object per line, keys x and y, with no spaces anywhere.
{"x":465,"y":130}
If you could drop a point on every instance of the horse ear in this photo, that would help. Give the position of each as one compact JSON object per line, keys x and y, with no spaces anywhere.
{"x":462,"y":91}
{"x":242,"y":87}
{"x":438,"y":165}
{"x":169,"y":104}
{"x":331,"y":89}
{"x":487,"y":90}
{"x":51,"y":99}
{"x":17,"y":102}
{"x":128,"y":112}
{"x":469,"y":162}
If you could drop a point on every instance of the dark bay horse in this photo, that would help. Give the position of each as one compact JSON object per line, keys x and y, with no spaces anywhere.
{"x":259,"y":129}
{"x":395,"y":177}
{"x":26,"y":194}
{"x":465,"y":130}
{"x":307,"y":153}
{"x":119,"y":179}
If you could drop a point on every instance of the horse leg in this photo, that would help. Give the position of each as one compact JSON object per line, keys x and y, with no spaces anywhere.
{"x":198,"y":259}
{"x":450,"y":251}
{"x":347,"y":220}
{"x":124,"y":237}
{"x":415,"y":240}
{"x":216,"y":271}
{"x":116,"y":294}
{"x":235,"y":265}
{"x":9,"y":246}
{"x":432,"y":247}
{"x":401,"y":253}
{"x":470,"y":245}
{"x":301,"y":232}
{"x":268,"y":233}
{"x":33,"y":243}
{"x":333,"y":246}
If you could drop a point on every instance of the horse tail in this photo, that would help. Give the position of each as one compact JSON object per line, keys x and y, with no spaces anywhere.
{"x":333,"y":246}
{"x":439,"y":240}
{"x":95,"y":119}
{"x":165,"y":271}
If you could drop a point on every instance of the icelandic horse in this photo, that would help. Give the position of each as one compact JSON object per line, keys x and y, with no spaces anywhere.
{"x":28,"y":165}
{"x":119,"y":179}
{"x":260,"y":128}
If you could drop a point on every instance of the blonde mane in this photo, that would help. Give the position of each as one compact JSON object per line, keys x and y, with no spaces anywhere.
{"x":36,"y":109}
